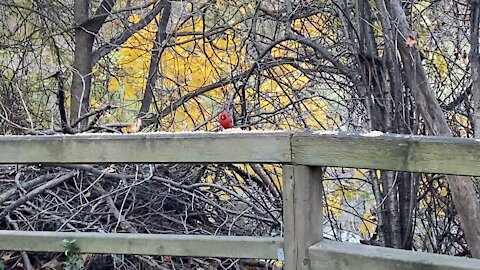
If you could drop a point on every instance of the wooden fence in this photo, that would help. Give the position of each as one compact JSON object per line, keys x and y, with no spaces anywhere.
{"x":302,"y":156}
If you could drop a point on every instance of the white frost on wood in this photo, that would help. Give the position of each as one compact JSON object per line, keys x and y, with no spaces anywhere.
{"x":374,"y":133}
{"x":234,"y":130}
{"x":230,"y":130}
{"x":326,"y":132}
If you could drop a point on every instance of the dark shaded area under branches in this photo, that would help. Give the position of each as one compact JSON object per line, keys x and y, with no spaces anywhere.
{"x":139,"y":199}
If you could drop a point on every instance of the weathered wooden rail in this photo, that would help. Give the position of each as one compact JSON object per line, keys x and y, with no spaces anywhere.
{"x":303,"y":155}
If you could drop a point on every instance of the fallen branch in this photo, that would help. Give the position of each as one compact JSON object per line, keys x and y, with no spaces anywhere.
{"x":35,"y":192}
{"x":10,"y":192}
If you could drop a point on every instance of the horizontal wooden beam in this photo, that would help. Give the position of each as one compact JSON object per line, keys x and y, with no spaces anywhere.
{"x":369,"y":151}
{"x":147,"y":244}
{"x":188,"y":147}
{"x":388,"y":151}
{"x":328,"y":255}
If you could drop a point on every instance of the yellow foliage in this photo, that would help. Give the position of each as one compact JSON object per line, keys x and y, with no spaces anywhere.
{"x":463,"y":123}
{"x":133,"y":61}
{"x":209,"y":179}
{"x":421,"y":6}
{"x":440,"y":63}
{"x":360,"y":174}
{"x":114,"y":84}
{"x":443,"y":192}
{"x":195,"y":62}
{"x":440,"y":213}
{"x":95,"y":104}
{"x":334,"y":205}
{"x":242,"y":10}
{"x":434,"y":198}
{"x":276,"y":176}
{"x":286,"y":49}
{"x":367,"y":227}
{"x":223,"y":196}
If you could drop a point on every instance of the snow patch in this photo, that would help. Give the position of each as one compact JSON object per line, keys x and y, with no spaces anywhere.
{"x":374,"y":133}
{"x":326,"y":132}
{"x":233,"y":130}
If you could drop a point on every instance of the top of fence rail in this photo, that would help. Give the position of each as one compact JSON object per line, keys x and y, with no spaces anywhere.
{"x":372,"y":150}
{"x":191,"y":147}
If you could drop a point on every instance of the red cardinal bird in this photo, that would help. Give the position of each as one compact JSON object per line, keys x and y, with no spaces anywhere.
{"x":225,"y":120}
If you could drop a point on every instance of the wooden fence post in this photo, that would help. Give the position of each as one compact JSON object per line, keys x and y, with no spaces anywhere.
{"x":302,"y":213}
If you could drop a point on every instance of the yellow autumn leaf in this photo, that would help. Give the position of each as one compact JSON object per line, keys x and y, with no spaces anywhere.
{"x":360,"y":174}
{"x":333,"y":206}
{"x":114,"y":84}
{"x":443,"y":192}
{"x":421,"y":6}
{"x":130,"y":91}
{"x":223,"y":196}
{"x":462,"y":123}
{"x":367,"y":227}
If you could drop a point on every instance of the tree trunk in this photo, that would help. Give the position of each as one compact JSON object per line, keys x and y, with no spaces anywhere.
{"x":157,"y":49}
{"x":82,"y":64}
{"x":85,"y":32}
{"x":382,"y":80}
{"x":475,"y":64}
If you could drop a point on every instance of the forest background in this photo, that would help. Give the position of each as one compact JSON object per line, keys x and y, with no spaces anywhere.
{"x":125,"y":66}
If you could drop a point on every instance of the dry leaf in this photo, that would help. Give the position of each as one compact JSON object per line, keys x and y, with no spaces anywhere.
{"x":52,"y":264}
{"x":7,"y":256}
{"x":110,"y":169}
{"x":86,"y":257}
{"x":134,"y":127}
{"x":410,"y":41}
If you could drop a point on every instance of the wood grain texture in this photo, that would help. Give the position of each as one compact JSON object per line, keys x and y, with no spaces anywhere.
{"x":147,"y":244}
{"x":328,"y":255}
{"x":243,"y":147}
{"x":389,"y":152}
{"x":302,"y":212}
